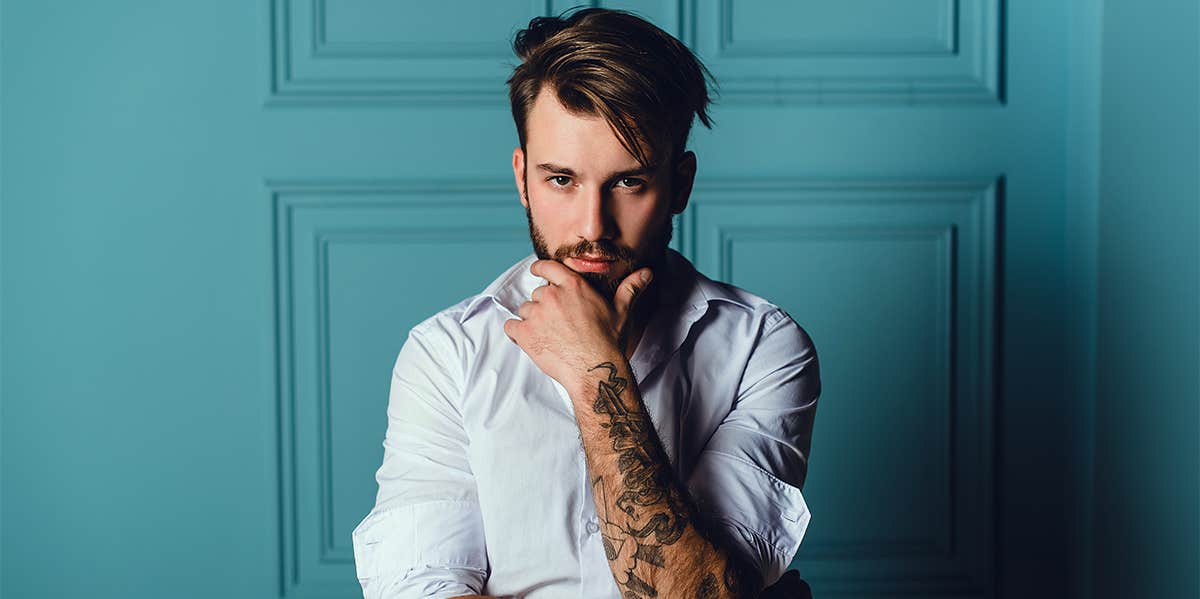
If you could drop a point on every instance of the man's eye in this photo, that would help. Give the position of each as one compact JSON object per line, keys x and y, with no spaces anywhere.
{"x":636,"y":182}
{"x":555,"y":178}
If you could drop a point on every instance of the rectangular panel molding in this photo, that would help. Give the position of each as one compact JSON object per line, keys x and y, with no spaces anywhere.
{"x":323,"y":51}
{"x":856,"y":51}
{"x":859,"y":51}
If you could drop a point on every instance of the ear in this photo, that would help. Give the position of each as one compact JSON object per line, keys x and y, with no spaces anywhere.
{"x":518,"y":164}
{"x":683,"y":177}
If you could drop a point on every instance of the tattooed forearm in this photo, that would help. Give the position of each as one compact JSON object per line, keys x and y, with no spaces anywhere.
{"x":648,"y":493}
{"x":652,"y":533}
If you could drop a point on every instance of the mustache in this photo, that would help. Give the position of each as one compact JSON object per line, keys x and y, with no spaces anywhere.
{"x":602,"y":248}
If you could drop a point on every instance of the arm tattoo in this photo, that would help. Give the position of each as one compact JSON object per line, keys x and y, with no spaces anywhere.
{"x":645,"y":478}
{"x":708,"y":587}
{"x":651,"y":510}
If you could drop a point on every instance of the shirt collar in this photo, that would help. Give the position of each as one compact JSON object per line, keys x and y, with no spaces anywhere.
{"x":687,"y":290}
{"x":683,"y":301}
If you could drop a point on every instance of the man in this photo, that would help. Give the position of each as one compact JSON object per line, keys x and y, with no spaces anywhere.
{"x":581,"y":429}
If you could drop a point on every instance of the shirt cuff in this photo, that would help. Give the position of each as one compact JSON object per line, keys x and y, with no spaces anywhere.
{"x":421,"y":549}
{"x":767,"y":515}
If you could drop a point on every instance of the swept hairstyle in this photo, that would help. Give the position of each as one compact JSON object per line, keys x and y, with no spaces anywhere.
{"x":645,"y":83}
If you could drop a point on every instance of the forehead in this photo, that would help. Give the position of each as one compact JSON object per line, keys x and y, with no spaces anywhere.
{"x":556,"y":134}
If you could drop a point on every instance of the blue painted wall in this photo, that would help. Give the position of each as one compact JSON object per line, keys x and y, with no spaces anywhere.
{"x":218,"y":220}
{"x":1146,"y":467}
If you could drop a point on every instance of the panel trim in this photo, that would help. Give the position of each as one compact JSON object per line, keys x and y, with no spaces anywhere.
{"x":978,"y":79}
{"x":372,"y":84}
{"x":322,"y":47}
{"x":945,"y":45}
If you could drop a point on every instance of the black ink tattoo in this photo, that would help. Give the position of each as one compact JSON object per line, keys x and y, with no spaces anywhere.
{"x":651,"y":554}
{"x":708,"y":587}
{"x":652,"y":511}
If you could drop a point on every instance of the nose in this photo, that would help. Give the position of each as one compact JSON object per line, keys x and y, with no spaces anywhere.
{"x":595,"y":221}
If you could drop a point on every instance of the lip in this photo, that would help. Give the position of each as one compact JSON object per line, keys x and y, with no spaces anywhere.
{"x":590,"y":265}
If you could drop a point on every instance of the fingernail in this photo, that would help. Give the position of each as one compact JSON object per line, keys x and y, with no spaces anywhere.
{"x":646,"y":276}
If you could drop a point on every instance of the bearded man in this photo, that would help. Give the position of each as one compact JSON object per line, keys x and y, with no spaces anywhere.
{"x":602,"y":420}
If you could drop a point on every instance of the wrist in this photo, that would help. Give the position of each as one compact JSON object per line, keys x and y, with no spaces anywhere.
{"x":608,"y":366}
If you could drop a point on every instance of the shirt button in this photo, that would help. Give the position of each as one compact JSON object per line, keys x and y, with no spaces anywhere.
{"x":592,"y":527}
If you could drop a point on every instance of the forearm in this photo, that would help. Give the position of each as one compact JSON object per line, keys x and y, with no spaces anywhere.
{"x":652,"y":532}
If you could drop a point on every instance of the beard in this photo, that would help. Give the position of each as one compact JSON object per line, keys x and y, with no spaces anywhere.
{"x":604,"y":283}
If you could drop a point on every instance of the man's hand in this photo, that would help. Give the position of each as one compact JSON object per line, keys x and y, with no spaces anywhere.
{"x":566,"y":323}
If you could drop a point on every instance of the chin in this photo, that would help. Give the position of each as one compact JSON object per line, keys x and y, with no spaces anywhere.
{"x":605,"y":285}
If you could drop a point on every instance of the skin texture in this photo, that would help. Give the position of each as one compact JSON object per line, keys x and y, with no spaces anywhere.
{"x":581,"y":334}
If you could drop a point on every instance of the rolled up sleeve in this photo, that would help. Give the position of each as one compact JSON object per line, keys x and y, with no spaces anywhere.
{"x":747,"y":481}
{"x":424,"y":537}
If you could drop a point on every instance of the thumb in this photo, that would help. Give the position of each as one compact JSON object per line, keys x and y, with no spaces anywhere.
{"x":629,"y":290}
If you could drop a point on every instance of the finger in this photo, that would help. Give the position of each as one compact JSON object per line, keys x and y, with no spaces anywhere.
{"x":553,"y":271}
{"x":540,"y":293}
{"x":526,"y":309}
{"x":511,"y":329}
{"x":629,"y":290}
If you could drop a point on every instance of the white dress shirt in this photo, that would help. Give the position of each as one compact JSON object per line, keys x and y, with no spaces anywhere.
{"x":484,"y":485}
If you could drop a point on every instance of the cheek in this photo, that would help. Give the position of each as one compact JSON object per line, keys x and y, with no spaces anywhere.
{"x":550,"y":223}
{"x":642,"y":223}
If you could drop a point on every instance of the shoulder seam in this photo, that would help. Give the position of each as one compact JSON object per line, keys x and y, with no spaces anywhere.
{"x":775,"y":315}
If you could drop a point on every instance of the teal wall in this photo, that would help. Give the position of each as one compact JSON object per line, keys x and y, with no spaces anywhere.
{"x":1082,"y":149}
{"x":219,"y":219}
{"x":1146,"y":466}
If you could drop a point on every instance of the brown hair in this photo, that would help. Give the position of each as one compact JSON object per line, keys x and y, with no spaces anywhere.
{"x":614,"y":64}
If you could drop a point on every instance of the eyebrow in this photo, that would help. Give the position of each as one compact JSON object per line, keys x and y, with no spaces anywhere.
{"x":554,"y":168}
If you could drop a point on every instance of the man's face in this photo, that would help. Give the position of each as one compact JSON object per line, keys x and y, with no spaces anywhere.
{"x":586,"y":196}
